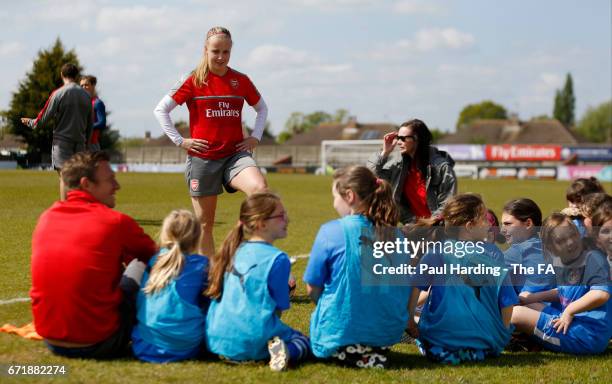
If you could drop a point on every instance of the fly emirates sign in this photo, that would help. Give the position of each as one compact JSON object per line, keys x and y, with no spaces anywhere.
{"x":523,"y":152}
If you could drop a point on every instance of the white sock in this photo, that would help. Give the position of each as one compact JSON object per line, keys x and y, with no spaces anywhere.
{"x":135,"y":270}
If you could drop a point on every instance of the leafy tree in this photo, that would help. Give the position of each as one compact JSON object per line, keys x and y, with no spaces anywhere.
{"x":283,"y":136}
{"x":565,"y":103}
{"x":31,"y":95}
{"x":298,"y":122}
{"x":478,"y":140}
{"x":30,"y":98}
{"x":483,"y":110}
{"x":341,"y":115}
{"x":596,"y":124}
{"x":436,"y":135}
{"x":109,"y":139}
{"x":541,"y":117}
{"x":266,"y":133}
{"x":131,"y":142}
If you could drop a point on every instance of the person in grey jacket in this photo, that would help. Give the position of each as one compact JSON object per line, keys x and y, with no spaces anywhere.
{"x":422,"y":176}
{"x":70,"y":106}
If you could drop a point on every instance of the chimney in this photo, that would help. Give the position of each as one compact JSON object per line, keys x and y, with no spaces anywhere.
{"x":352,"y":122}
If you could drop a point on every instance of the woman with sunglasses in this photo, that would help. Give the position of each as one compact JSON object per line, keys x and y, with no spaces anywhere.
{"x":422,"y":177}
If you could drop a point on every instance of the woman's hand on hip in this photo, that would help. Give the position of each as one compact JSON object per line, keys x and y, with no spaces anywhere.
{"x":195,"y":145}
{"x":247,"y":144}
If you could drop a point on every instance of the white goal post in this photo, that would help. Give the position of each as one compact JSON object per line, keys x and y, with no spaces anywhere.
{"x":342,"y":153}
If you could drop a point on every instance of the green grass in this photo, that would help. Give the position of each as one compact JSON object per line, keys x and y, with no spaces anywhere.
{"x":24,"y":195}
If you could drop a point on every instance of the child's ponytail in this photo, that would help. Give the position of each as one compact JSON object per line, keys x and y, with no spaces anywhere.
{"x":222,"y":261}
{"x":376,"y":195}
{"x":382,"y":211}
{"x":255,"y":209}
{"x":457,"y":212}
{"x":180,"y":234}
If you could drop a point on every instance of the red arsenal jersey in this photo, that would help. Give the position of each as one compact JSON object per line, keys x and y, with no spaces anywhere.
{"x":215,"y":110}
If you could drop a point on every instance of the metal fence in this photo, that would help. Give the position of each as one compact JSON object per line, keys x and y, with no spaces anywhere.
{"x":264,"y":155}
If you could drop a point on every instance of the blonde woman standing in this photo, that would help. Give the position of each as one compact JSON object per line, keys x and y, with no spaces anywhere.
{"x":218,"y":154}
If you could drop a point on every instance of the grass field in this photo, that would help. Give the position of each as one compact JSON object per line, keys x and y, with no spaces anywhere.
{"x":149,"y":197}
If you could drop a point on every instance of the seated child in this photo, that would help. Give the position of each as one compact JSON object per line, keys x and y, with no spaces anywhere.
{"x":589,"y":205}
{"x":357,"y":316}
{"x":575,"y":197}
{"x":466,"y":316}
{"x":248,"y":288}
{"x":602,"y":229}
{"x":583,"y":325}
{"x":171,"y":308}
{"x":494,"y":237}
{"x":521,"y":219}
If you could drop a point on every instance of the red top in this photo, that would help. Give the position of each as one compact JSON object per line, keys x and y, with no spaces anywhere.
{"x":95,"y":134}
{"x":415,"y":192}
{"x":215,"y":110}
{"x":78,"y":248}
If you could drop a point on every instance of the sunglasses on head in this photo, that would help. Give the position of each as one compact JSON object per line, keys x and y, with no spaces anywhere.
{"x":404,"y":138}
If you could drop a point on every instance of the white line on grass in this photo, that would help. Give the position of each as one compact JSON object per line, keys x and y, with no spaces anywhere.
{"x":16,"y":300}
{"x":24,"y":299}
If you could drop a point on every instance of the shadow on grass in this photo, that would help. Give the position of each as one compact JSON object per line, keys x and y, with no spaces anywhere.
{"x":149,"y":222}
{"x":402,"y":360}
{"x":158,"y":222}
{"x":301,"y":299}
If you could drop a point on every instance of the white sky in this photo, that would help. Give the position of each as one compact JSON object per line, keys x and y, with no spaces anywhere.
{"x":384,"y":61}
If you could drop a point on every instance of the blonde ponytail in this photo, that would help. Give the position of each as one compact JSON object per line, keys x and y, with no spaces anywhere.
{"x":180,"y":234}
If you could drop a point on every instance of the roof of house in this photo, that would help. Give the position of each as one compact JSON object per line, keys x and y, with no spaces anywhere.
{"x":341,"y":131}
{"x":489,"y":131}
{"x":10,"y":141}
{"x":164,"y":141}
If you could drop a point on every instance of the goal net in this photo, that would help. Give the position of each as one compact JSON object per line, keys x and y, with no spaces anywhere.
{"x":342,"y":153}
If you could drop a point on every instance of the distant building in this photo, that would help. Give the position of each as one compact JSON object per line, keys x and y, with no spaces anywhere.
{"x":352,"y":130}
{"x":183,"y":129}
{"x":548,"y":131}
{"x":12,"y":143}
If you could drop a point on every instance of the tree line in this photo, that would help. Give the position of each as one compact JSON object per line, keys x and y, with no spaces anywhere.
{"x":35,"y":88}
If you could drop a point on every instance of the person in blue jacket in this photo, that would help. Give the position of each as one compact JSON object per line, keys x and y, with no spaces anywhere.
{"x":467,"y":314}
{"x":171,"y":308}
{"x":521,"y":220}
{"x":358,"y":315}
{"x":249,"y":290}
{"x":89,"y":83}
{"x":583,"y":325}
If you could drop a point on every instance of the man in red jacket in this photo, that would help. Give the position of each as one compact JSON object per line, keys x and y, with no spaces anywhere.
{"x":82,"y":301}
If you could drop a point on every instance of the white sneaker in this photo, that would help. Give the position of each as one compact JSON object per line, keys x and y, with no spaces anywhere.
{"x":279,"y":354}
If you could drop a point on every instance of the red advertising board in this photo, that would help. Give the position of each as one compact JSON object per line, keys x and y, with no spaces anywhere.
{"x":509,"y":152}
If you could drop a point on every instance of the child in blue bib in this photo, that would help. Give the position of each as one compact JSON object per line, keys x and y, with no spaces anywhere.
{"x":583,"y":325}
{"x":249,"y":290}
{"x":521,"y":219}
{"x":359,"y":315}
{"x":171,"y":308}
{"x":467,"y":313}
